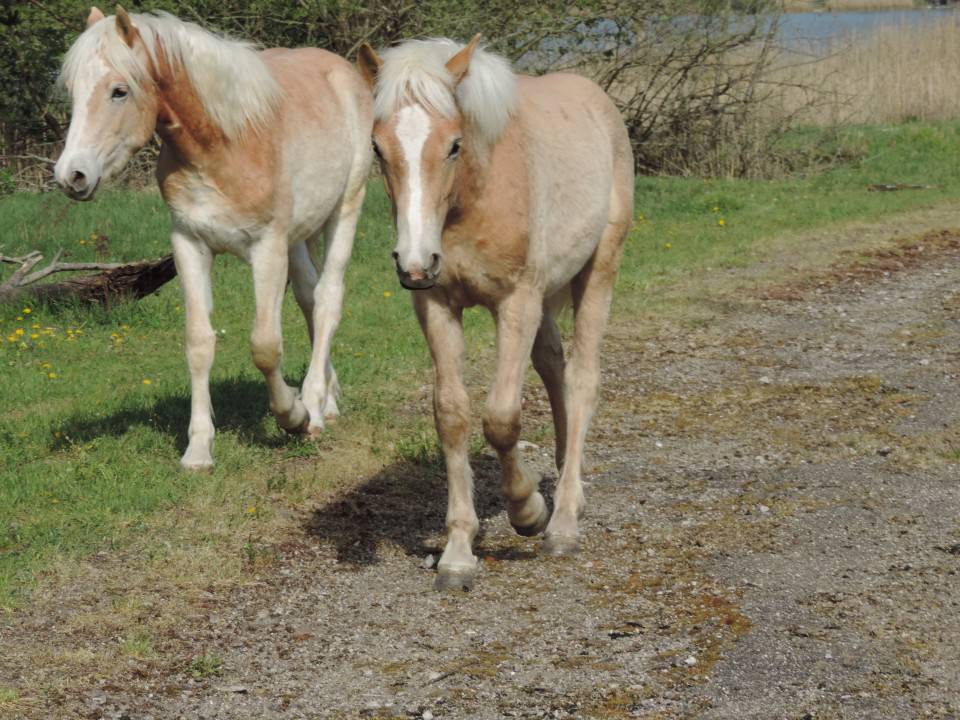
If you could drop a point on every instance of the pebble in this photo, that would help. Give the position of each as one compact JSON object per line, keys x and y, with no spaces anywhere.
{"x":690,"y":661}
{"x":428,"y":562}
{"x":764,"y":380}
{"x":427,"y":715}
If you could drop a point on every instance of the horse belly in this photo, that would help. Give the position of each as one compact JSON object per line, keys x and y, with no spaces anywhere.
{"x":320,"y":181}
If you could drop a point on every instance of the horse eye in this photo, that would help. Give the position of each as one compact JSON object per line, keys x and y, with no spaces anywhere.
{"x":455,"y":148}
{"x":118,"y":93}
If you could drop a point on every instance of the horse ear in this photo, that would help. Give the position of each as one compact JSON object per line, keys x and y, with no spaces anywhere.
{"x":460,"y":63}
{"x":95,"y":16}
{"x":369,"y":63}
{"x":125,"y":27}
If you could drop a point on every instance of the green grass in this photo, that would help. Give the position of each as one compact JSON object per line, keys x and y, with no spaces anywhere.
{"x":95,"y":407}
{"x":679,"y":219}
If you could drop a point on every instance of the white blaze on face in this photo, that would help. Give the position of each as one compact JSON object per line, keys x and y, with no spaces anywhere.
{"x":81,"y":151}
{"x":413,"y":129}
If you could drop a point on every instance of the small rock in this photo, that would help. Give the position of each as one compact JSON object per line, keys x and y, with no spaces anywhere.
{"x":884,"y":451}
{"x":428,"y":562}
{"x":925,"y":361}
{"x":658,"y":444}
{"x":763,"y":509}
{"x":427,"y":715}
{"x":690,"y":661}
{"x":764,"y":380}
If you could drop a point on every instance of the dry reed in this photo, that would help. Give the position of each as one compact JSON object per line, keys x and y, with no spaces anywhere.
{"x":887,"y":75}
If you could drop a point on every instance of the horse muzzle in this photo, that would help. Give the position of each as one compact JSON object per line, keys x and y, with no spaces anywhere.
{"x":419,"y":278}
{"x":78,"y":180}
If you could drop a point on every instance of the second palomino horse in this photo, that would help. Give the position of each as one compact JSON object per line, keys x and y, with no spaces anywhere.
{"x":514,"y":193}
{"x":265,"y":155}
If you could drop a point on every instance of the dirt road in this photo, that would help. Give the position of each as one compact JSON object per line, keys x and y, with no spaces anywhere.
{"x":773,"y":531}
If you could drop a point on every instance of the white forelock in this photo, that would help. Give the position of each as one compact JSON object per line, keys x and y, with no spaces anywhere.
{"x":415,"y":71}
{"x":231,"y":80}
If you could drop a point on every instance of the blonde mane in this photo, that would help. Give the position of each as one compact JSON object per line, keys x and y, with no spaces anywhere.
{"x":415,"y":71}
{"x":231,"y":80}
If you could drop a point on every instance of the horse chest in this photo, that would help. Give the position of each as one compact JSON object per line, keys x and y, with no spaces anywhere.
{"x":203,"y":212}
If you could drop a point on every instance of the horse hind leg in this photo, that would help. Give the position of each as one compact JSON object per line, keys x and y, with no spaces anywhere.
{"x":518,"y":319}
{"x":269,"y":261}
{"x":592,"y":290}
{"x":320,"y":386}
{"x":548,"y":361}
{"x":303,"y":279}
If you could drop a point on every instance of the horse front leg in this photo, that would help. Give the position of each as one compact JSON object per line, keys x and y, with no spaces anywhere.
{"x":269,"y":262}
{"x":443,"y":329}
{"x":194,"y":260}
{"x":518,"y":319}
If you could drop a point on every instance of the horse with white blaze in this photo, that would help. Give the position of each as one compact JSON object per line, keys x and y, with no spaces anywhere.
{"x":514,"y":193}
{"x":265,"y":155}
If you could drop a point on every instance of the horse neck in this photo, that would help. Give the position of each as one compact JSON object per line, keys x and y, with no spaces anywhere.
{"x":182,"y":121}
{"x":476,"y":183}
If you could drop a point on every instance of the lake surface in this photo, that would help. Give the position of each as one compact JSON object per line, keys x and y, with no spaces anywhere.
{"x":823,"y":28}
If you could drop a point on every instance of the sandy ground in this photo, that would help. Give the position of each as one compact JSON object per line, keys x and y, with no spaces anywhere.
{"x":773,"y":531}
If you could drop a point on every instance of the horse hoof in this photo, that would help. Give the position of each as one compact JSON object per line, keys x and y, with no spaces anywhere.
{"x":197,"y":467}
{"x":451,"y":581}
{"x":560,"y":545}
{"x":537,"y":527}
{"x":301,"y":429}
{"x":314,"y":432}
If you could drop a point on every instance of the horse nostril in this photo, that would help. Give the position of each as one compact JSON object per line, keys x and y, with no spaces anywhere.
{"x":434,"y":262}
{"x":78,"y":180}
{"x":396,"y":256}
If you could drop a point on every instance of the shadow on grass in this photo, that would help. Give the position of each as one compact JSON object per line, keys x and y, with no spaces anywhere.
{"x":406,"y":505}
{"x":240,"y":405}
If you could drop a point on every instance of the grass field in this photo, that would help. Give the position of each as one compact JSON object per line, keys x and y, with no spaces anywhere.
{"x":95,"y":404}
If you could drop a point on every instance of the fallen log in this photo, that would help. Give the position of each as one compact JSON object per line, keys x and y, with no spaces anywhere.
{"x":115,"y":281}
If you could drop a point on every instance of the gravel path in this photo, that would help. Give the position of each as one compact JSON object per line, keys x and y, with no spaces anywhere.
{"x":773,"y":531}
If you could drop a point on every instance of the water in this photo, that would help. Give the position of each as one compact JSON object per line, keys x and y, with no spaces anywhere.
{"x":824,"y":28}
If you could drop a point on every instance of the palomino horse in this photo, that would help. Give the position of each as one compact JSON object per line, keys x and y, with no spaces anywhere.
{"x":263,"y":153}
{"x":514,"y":193}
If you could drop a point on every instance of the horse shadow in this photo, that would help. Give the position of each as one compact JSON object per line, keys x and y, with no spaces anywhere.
{"x":405,"y":505}
{"x":240,"y":404}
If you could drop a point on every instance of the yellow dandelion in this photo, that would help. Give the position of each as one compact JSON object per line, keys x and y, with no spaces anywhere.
{"x":34,"y":336}
{"x":667,"y":246}
{"x":251,"y":509}
{"x":11,"y":338}
{"x":83,"y":242}
{"x":78,"y":332}
{"x":35,"y":326}
{"x":18,"y":331}
{"x":147,"y":381}
{"x":716,"y":208}
{"x":27,"y":311}
{"x":57,"y":434}
{"x":387,"y":293}
{"x":19,"y":318}
{"x":52,"y":375}
{"x":721,"y":222}
{"x":124,"y":327}
{"x":46,"y":365}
